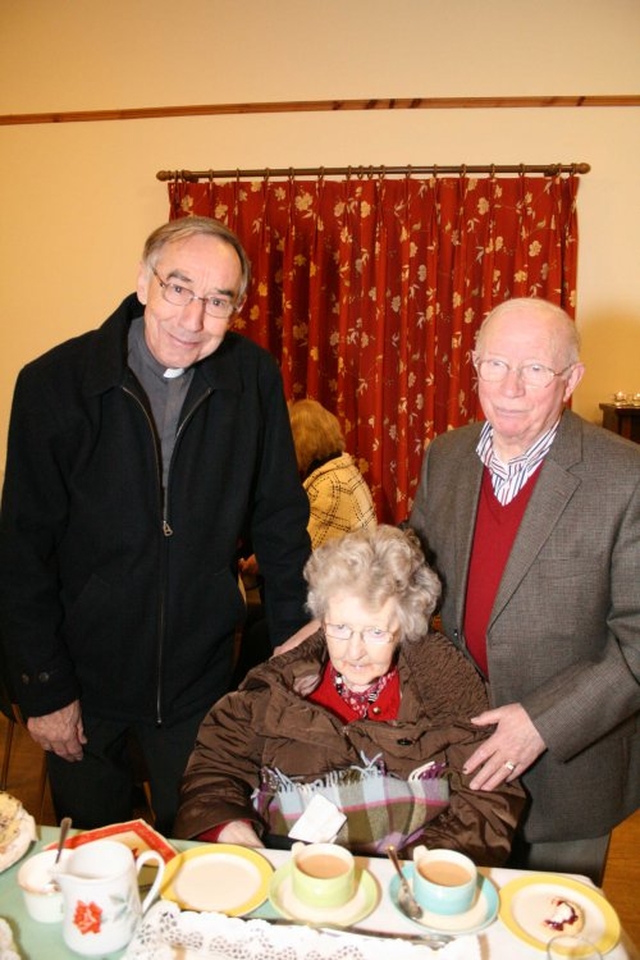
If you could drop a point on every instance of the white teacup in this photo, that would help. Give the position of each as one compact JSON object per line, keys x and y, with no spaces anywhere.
{"x":42,"y":895}
{"x":444,"y":881}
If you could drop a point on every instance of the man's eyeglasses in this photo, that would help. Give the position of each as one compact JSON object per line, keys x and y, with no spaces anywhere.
{"x":370,"y":635}
{"x":533,"y":374}
{"x":219,"y":307}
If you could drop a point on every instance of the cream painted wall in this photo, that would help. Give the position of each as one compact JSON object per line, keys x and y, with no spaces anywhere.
{"x":78,"y":199}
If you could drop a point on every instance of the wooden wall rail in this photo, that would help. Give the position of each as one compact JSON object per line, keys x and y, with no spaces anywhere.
{"x":316,"y":106}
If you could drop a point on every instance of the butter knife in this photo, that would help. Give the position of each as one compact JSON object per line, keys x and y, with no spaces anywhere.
{"x":433,"y":940}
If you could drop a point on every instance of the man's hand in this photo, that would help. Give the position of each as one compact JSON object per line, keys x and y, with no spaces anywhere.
{"x":297,"y":638}
{"x":237,"y":831}
{"x":509,"y":751}
{"x":60,"y":732}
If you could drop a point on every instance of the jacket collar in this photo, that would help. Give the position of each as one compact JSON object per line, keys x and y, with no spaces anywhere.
{"x":107,"y":363}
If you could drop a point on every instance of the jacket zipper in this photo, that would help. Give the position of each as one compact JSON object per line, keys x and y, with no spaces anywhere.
{"x":167,"y":531}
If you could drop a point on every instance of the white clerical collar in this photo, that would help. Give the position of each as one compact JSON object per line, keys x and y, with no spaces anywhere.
{"x":172,"y":372}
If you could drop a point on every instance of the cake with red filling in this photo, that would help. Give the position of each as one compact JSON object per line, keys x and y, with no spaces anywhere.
{"x":563,"y":916}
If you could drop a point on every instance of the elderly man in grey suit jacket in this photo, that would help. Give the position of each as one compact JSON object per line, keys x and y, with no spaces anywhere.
{"x":533,"y":522}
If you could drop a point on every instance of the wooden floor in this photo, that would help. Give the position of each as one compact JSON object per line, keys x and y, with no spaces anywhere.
{"x":621,"y":882}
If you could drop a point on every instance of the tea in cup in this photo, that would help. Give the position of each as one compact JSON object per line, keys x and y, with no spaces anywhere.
{"x":42,"y":895}
{"x":444,"y":881}
{"x":322,"y":874}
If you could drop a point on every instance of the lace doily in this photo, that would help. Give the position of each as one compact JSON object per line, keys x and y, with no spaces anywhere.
{"x":167,"y":933}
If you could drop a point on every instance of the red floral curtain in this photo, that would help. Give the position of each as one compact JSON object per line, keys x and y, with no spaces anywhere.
{"x":369,"y":292}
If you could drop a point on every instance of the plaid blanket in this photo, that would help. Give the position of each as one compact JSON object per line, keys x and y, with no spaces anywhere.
{"x":380,"y":808}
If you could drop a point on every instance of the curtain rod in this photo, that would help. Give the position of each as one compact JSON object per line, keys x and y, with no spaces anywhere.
{"x":547,"y":170}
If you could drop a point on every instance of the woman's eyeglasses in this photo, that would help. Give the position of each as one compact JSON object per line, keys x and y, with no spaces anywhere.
{"x":370,"y":635}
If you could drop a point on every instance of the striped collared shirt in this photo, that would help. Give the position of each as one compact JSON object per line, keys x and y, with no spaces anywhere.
{"x":508,"y":479}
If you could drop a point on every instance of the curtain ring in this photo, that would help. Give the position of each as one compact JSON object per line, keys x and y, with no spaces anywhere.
{"x":522,"y":170}
{"x":320,"y":174}
{"x":492,"y":171}
{"x":463,"y":170}
{"x":349,"y":172}
{"x":407,"y":172}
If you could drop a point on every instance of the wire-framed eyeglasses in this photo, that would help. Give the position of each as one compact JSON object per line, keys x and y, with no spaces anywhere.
{"x":215,"y":306}
{"x":375,"y":636}
{"x":492,"y":370}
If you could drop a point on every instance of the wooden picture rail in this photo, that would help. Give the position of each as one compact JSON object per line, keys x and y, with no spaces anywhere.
{"x":316,"y":106}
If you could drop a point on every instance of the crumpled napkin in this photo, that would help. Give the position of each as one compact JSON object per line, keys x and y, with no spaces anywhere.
{"x":319,"y":823}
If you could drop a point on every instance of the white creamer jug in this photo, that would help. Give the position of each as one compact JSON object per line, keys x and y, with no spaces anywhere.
{"x":99,"y":883}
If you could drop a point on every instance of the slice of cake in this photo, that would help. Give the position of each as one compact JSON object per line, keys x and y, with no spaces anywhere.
{"x":563,"y":916}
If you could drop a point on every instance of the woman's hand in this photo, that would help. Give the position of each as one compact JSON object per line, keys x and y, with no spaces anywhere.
{"x":237,"y":831}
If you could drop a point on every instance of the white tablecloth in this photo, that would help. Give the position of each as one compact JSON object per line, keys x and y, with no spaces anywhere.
{"x":496,"y":942}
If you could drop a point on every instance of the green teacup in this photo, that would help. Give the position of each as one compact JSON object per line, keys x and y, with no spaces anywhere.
{"x":322,"y":874}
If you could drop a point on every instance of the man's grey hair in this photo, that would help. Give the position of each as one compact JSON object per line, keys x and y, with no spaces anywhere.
{"x":186,"y":227}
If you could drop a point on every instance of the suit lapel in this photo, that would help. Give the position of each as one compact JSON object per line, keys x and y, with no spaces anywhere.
{"x":467,"y":484}
{"x":553,"y":491}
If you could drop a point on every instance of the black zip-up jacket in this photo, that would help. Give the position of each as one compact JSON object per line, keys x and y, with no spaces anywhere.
{"x":109,"y":590}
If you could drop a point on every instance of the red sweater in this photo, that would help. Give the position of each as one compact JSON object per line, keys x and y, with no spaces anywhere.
{"x":496,"y":529}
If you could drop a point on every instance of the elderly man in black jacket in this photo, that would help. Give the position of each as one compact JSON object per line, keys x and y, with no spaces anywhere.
{"x":139,"y":455}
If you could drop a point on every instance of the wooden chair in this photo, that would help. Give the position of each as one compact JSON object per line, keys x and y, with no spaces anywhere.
{"x":14,"y":718}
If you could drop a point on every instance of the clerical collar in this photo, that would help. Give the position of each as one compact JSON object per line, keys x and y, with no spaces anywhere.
{"x":138,"y":341}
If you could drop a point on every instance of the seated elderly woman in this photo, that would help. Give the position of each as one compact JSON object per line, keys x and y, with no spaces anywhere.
{"x":372,"y":712}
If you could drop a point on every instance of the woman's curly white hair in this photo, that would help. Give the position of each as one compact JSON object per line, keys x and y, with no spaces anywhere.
{"x":375,"y":565}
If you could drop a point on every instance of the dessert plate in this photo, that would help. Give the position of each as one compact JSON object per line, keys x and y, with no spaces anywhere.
{"x":363,"y":902}
{"x":135,"y":834}
{"x":222,"y":877}
{"x":480,"y":915}
{"x":524,"y":903}
{"x":17,"y":830}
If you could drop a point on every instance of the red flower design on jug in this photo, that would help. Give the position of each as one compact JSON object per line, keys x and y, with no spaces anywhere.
{"x":87,"y":917}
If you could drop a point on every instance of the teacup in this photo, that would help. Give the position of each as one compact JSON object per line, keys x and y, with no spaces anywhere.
{"x":322,"y":874}
{"x":42,"y":895}
{"x":444,"y":881}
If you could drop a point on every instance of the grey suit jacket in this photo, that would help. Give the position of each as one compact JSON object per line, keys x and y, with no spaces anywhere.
{"x":564,"y":633}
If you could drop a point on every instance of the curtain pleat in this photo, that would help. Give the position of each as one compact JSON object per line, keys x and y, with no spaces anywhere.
{"x":369,"y":292}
